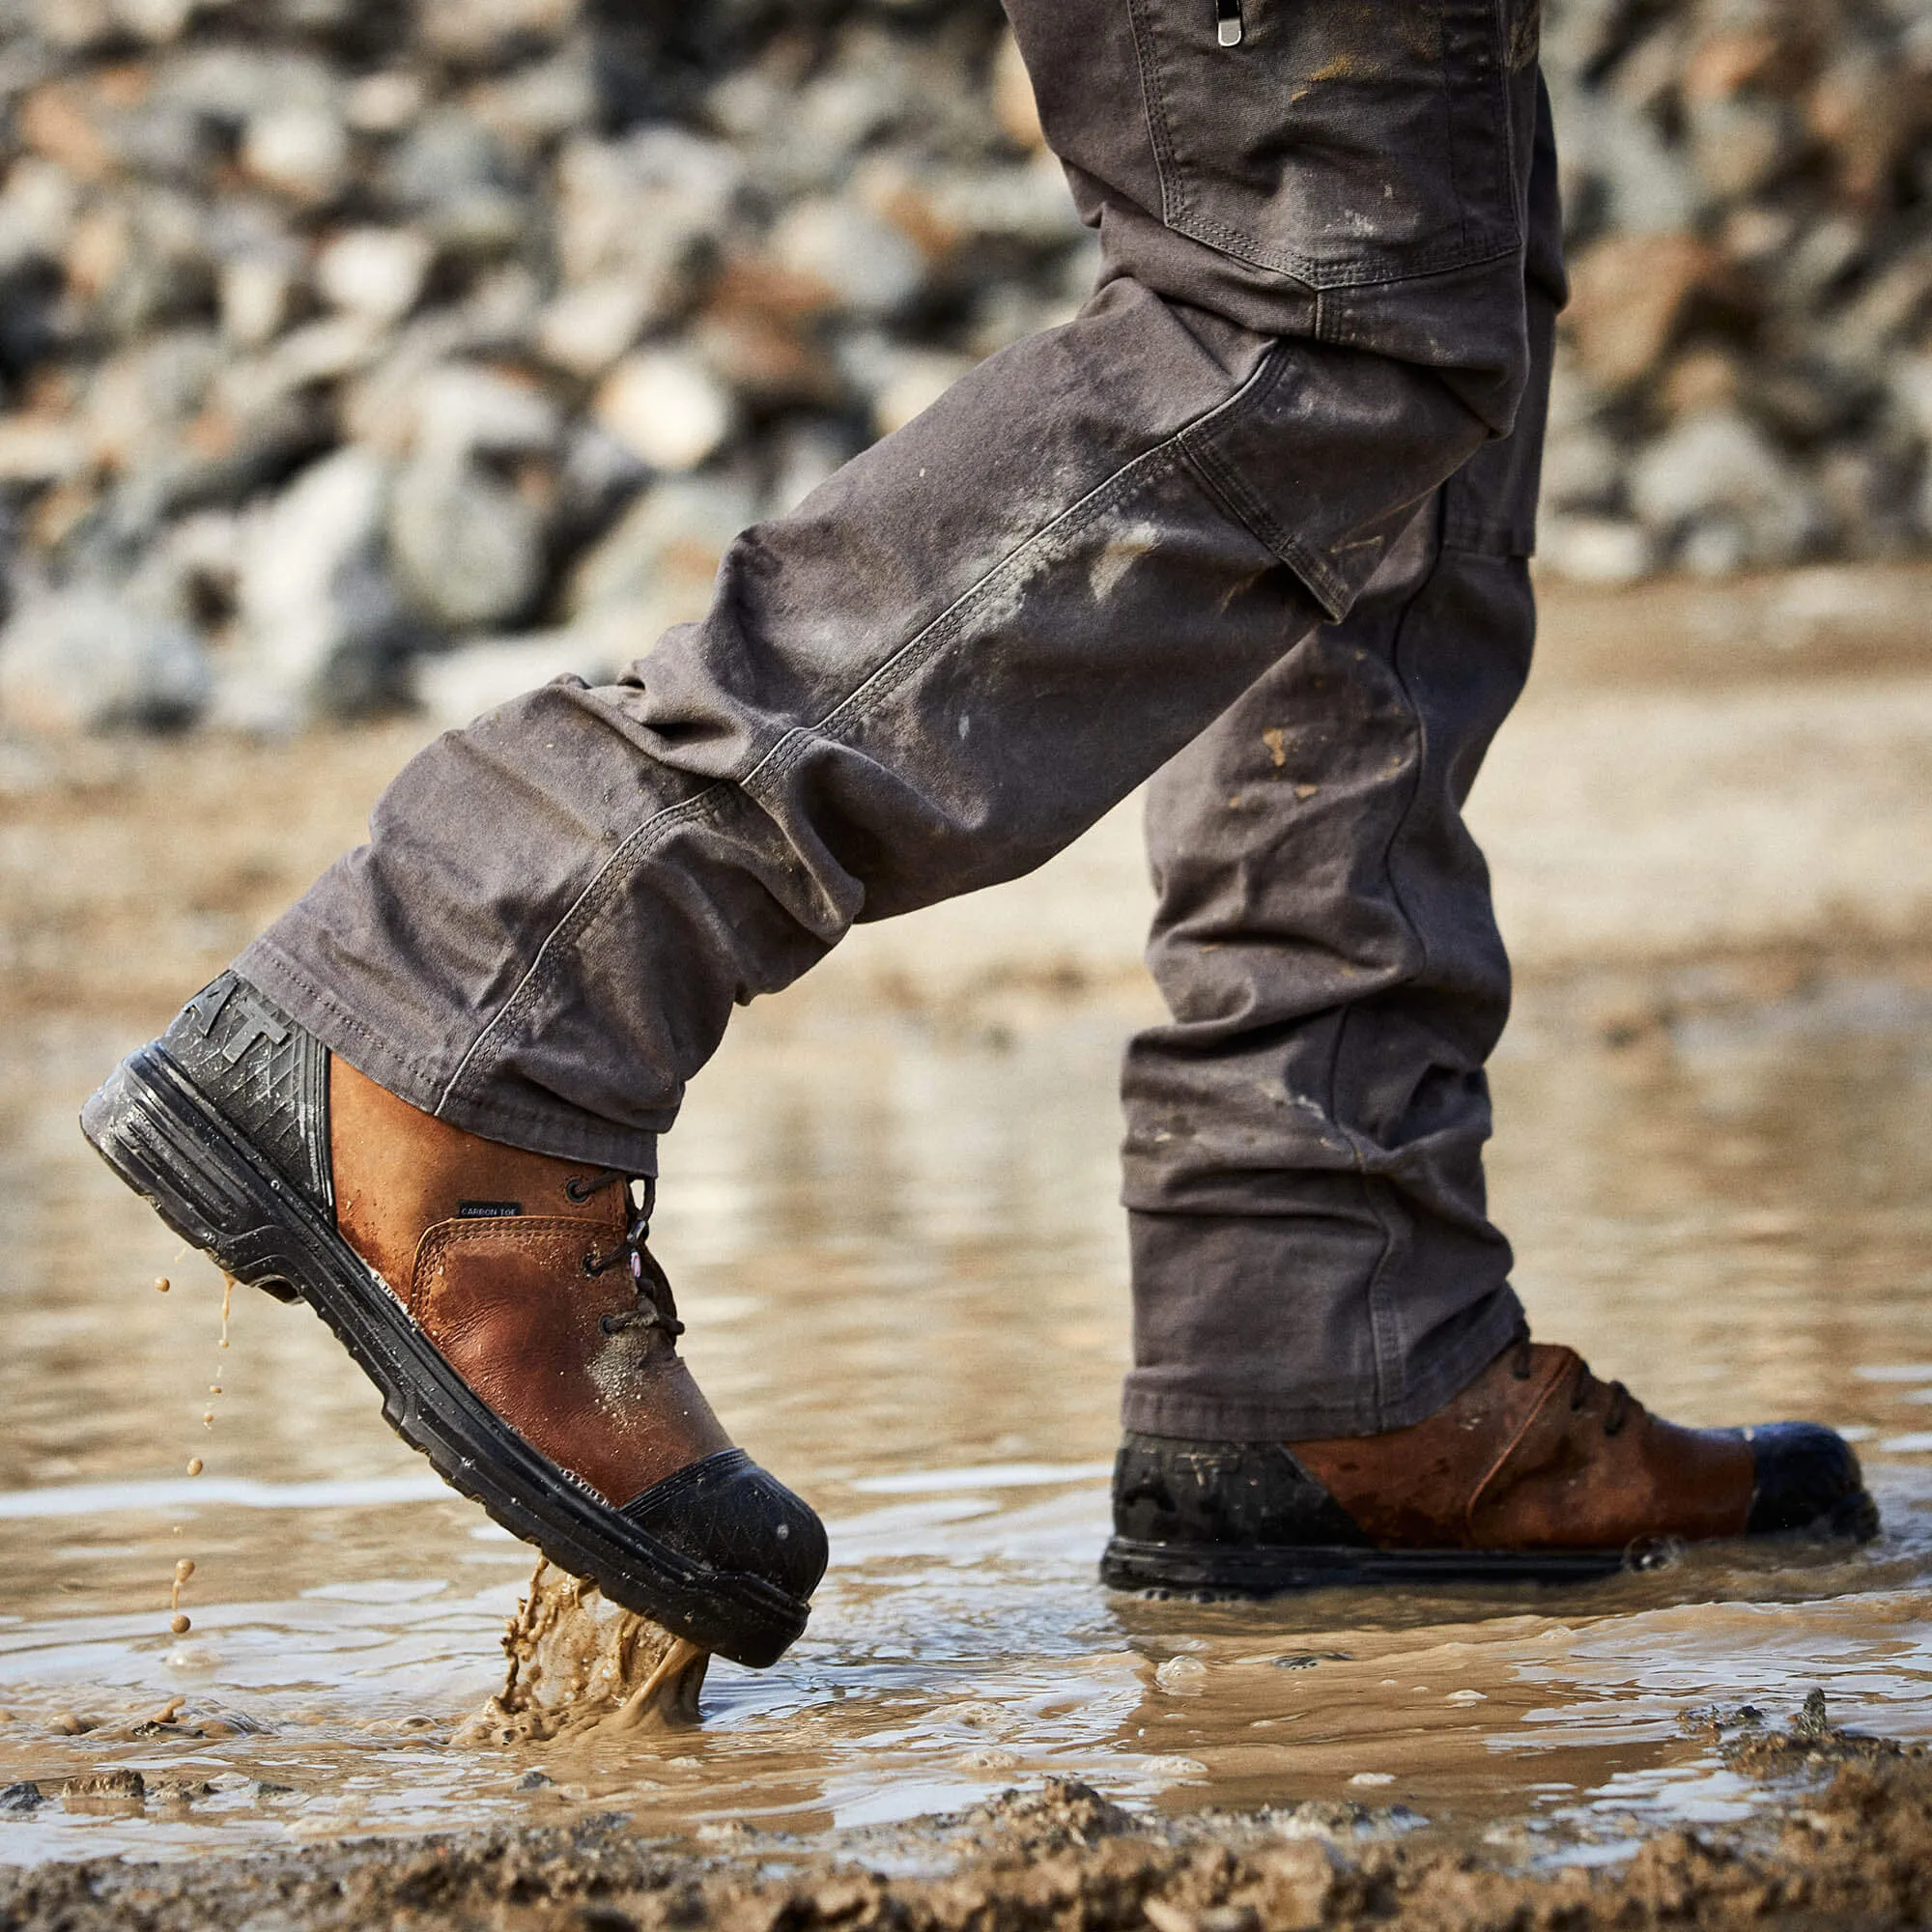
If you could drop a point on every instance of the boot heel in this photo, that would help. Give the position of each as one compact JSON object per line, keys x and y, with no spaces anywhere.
{"x":166,"y":1156}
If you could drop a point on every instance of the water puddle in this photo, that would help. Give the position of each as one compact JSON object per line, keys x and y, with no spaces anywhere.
{"x":897,"y":1248}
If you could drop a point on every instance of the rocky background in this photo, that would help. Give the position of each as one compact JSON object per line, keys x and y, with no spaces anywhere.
{"x":362,"y":352}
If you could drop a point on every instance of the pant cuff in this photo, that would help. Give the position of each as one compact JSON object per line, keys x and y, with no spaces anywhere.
{"x":1151,"y":1406}
{"x":562,"y":1132}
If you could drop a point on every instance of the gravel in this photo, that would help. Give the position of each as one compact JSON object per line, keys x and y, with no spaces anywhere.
{"x":354,"y":353}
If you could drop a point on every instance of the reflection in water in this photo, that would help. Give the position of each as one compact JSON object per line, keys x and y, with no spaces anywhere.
{"x":898,"y":1254}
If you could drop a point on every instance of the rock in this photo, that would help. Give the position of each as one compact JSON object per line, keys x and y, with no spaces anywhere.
{"x":1582,"y":469}
{"x":1714,"y":488}
{"x":666,"y":408}
{"x":511,"y":260}
{"x":468,"y":545}
{"x":1592,"y":550}
{"x":1629,"y":297}
{"x":384,"y":103}
{"x":378,"y":273}
{"x":257,"y":296}
{"x":641,"y":208}
{"x":483,"y":32}
{"x":539,"y":104}
{"x":300,"y":149}
{"x":859,"y":263}
{"x":588,"y":326}
{"x":455,"y":176}
{"x":85,"y":660}
{"x":658,"y":565}
{"x":463,"y":410}
{"x":322,"y":628}
{"x":806,"y":454}
{"x":1742,"y":144}
{"x":455,"y":687}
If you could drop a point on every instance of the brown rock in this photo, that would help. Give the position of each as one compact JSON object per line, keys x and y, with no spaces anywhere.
{"x":1629,"y":296}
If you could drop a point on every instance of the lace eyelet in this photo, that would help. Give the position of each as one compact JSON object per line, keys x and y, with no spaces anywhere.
{"x":576,"y":1189}
{"x":590,"y":1266}
{"x":605,"y":1324}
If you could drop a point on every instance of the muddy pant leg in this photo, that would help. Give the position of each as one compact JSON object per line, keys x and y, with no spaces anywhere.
{"x":1311,"y":1251}
{"x":982,"y":633}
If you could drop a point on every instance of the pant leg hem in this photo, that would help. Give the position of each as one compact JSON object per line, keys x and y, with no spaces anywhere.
{"x":561,"y":1132}
{"x":1208,"y":1418}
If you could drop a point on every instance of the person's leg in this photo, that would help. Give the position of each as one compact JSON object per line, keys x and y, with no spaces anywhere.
{"x":1303,"y":1161}
{"x":1333,"y":1380}
{"x":982,"y":634}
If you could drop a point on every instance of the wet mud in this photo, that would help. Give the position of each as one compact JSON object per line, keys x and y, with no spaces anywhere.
{"x":580,"y":1666}
{"x":1845,"y":1839}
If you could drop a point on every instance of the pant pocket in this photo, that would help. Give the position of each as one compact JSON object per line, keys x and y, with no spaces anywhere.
{"x":1342,"y":142}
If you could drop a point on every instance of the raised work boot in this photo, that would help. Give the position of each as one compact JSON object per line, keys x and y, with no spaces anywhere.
{"x":522,"y":1334}
{"x":1537,"y":1472}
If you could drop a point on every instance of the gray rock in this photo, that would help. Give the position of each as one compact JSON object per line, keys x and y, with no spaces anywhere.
{"x":658,"y":565}
{"x":87,"y":660}
{"x":1714,"y":486}
{"x":859,"y":263}
{"x":454,"y":686}
{"x":463,"y":410}
{"x":321,"y":626}
{"x":468,"y":545}
{"x":641,"y":209}
{"x":1593,"y":550}
{"x":1582,"y":470}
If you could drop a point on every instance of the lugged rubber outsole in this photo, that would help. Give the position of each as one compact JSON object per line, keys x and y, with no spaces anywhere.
{"x":1273,"y":1571}
{"x":156,"y":1131}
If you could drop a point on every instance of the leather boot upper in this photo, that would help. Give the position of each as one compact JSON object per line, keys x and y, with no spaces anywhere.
{"x":1537,"y":1453}
{"x":492,"y":1251}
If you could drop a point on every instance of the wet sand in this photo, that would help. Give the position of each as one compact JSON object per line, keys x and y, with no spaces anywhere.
{"x":1712,"y":1153}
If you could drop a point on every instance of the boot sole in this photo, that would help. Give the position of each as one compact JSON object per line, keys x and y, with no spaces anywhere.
{"x":156,"y":1131}
{"x":1200,"y":1570}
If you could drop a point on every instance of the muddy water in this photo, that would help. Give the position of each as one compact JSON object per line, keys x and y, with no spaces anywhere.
{"x":896,"y":1249}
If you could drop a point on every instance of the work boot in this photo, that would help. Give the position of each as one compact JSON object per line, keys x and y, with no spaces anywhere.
{"x":522,"y":1334}
{"x":1537,"y":1472}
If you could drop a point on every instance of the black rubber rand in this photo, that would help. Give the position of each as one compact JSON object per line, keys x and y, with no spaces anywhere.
{"x":1209,"y":1569}
{"x":1246,"y":1519}
{"x":157,"y":1130}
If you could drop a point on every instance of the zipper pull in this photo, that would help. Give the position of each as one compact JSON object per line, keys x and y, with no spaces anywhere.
{"x":1228,"y":20}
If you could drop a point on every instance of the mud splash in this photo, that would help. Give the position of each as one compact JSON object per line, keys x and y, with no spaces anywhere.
{"x":580,"y":1665}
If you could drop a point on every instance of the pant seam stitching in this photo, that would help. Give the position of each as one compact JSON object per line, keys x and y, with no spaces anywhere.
{"x":579,"y":910}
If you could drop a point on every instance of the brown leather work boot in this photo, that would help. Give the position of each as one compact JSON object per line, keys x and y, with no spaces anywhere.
{"x":1537,"y":1472}
{"x":504,"y":1302}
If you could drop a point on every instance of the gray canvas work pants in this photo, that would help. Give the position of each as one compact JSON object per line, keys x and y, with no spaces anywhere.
{"x":1255,"y":517}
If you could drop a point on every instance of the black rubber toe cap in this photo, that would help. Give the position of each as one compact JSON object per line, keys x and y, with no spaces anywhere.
{"x":728,"y":1514}
{"x":1806,"y":1478}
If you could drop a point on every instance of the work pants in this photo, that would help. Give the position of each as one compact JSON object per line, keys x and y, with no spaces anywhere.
{"x":1254,"y":525}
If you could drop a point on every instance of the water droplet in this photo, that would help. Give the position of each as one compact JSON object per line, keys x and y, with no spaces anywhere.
{"x":162,"y":1284}
{"x":194,"y":1466}
{"x":180,"y":1623}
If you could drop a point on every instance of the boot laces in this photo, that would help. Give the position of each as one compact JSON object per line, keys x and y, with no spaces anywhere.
{"x":656,"y":1307}
{"x":1582,"y":1387}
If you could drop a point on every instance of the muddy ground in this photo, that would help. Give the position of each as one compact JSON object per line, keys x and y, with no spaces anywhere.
{"x":1845,"y":1840}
